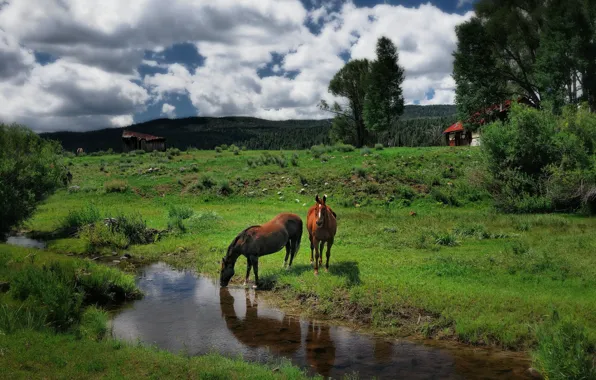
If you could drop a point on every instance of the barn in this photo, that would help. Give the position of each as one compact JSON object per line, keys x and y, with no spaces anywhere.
{"x":457,"y":135}
{"x":142,"y":141}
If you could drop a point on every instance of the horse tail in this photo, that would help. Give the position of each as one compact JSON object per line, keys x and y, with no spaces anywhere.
{"x":299,"y":237}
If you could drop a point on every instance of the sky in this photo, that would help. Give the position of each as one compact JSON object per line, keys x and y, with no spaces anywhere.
{"x":81,"y":65}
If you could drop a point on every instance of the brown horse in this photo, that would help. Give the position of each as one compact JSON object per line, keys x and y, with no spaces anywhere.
{"x":321,"y":223}
{"x":256,"y":241}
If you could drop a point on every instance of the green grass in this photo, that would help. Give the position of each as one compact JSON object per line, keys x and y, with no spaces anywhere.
{"x":475,"y":275}
{"x":37,"y":355}
{"x":52,"y":325}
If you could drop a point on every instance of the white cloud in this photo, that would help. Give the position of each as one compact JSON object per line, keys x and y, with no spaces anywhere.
{"x":168,"y":110}
{"x":461,"y":3}
{"x":95,"y":81}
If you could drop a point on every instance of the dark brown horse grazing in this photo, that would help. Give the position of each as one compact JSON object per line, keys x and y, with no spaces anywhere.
{"x":256,"y":241}
{"x":322,"y":225}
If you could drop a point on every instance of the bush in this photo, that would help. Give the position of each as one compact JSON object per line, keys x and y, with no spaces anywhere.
{"x":94,"y":324}
{"x":540,"y":162}
{"x":224,"y":187}
{"x":206,"y":181}
{"x":295,"y":159}
{"x":365,"y":151}
{"x":115,"y":186}
{"x":344,"y":147}
{"x":379,"y":146}
{"x":218,"y":149}
{"x":176,"y":217}
{"x":564,"y":351}
{"x":30,"y":170}
{"x":78,"y":218}
{"x":173,"y":152}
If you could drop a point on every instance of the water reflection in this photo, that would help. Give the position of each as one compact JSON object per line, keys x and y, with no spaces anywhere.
{"x":23,"y":241}
{"x":280,"y":336}
{"x":185,"y":312}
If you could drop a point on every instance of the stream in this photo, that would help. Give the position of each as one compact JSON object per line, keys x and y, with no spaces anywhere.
{"x":185,"y":312}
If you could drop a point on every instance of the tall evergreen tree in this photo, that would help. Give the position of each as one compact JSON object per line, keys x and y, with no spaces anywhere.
{"x":384,"y":99}
{"x":351,"y":83}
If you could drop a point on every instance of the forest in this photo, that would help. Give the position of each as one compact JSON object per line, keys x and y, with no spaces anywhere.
{"x":418,"y":126}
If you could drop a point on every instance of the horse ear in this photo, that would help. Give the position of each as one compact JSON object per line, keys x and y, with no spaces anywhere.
{"x":334,"y":214}
{"x":325,"y":199}
{"x":317,"y":199}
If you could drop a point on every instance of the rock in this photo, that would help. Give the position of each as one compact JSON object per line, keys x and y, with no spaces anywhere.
{"x":279,"y":193}
{"x":302,"y":191}
{"x":264,"y":190}
{"x":304,"y":204}
{"x":390,"y":230}
{"x":123,"y":258}
{"x":182,"y":168}
{"x":74,"y":188}
{"x":114,"y":253}
{"x":127,"y":255}
{"x":533,"y":372}
{"x":297,"y":200}
{"x":281,"y":198}
{"x":326,"y":183}
{"x":116,"y":261}
{"x":305,"y":185}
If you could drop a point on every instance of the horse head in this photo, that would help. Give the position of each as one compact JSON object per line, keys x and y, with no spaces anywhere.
{"x":226,"y":272}
{"x":322,"y":210}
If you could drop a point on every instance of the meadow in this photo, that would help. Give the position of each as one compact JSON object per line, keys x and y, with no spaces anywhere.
{"x":420,"y":251}
{"x":467,"y":271}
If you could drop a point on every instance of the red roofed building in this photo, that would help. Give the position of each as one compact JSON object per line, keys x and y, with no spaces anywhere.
{"x":456,"y":135}
{"x":142,"y":141}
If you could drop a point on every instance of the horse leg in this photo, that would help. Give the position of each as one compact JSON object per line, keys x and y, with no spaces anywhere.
{"x":288,"y":250}
{"x":316,"y":245}
{"x":293,"y":248}
{"x":248,"y":266}
{"x":321,"y":253}
{"x":329,"y":244}
{"x":312,"y":248}
{"x":255,"y":269}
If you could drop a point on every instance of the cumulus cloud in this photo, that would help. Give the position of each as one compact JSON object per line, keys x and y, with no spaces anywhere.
{"x":168,"y":110}
{"x":100,"y":46}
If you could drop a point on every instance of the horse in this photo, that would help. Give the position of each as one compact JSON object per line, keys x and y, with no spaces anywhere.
{"x":321,"y":222}
{"x":255,"y":241}
{"x":80,"y":151}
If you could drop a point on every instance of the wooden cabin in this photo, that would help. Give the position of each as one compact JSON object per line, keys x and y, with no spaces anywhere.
{"x":456,"y":134}
{"x":142,"y":141}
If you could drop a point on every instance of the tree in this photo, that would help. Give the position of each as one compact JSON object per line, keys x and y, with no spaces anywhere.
{"x":30,"y":170}
{"x":350,"y":82}
{"x":537,"y":49}
{"x":384,"y":99}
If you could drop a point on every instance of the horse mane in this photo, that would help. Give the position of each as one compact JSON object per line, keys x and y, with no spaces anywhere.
{"x":242,"y":234}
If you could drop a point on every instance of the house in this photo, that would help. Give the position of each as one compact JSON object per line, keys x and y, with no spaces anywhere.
{"x":456,"y":134}
{"x":142,"y":141}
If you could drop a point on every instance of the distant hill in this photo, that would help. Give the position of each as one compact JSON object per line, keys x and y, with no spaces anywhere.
{"x":209,"y":132}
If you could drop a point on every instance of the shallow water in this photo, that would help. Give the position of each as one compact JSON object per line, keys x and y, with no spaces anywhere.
{"x":185,"y":312}
{"x":23,"y":241}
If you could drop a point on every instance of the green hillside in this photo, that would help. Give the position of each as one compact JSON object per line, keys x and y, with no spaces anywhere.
{"x":421,"y":125}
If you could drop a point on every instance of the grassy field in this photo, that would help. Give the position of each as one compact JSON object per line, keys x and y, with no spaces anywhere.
{"x":457,"y":269}
{"x":51,"y":327}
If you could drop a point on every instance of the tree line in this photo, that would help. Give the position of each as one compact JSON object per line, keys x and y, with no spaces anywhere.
{"x":541,"y":50}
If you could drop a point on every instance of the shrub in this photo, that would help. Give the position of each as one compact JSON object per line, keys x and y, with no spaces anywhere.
{"x":295,"y":159}
{"x":224,"y":187}
{"x":30,"y":171}
{"x":564,"y":351}
{"x":78,"y":218}
{"x":236,"y":151}
{"x":115,"y":186}
{"x":224,"y":147}
{"x":173,"y":152}
{"x":232,"y":148}
{"x":379,"y":146}
{"x":206,"y":181}
{"x":218,"y":149}
{"x":133,"y":227}
{"x":365,"y":151}
{"x":100,"y":235}
{"x":344,"y":147}
{"x":541,"y":162}
{"x":176,"y":217}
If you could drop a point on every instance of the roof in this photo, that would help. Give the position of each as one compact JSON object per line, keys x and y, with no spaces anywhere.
{"x":498,"y":107}
{"x":144,"y":136}
{"x":456,"y":127}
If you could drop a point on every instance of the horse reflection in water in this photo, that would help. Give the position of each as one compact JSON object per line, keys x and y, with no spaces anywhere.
{"x":281,"y":337}
{"x":320,"y":350}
